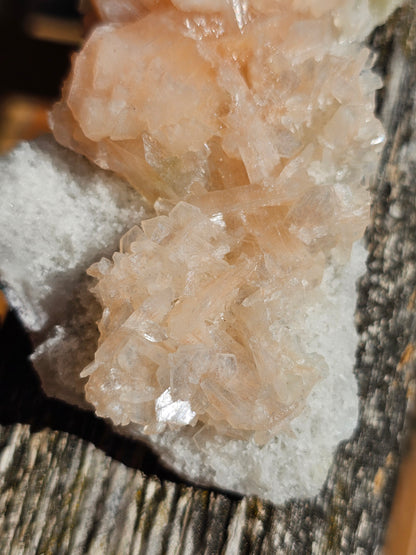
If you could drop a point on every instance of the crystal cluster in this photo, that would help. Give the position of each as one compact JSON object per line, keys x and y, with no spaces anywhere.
{"x":250,"y":127}
{"x":194,"y":316}
{"x":224,"y":94}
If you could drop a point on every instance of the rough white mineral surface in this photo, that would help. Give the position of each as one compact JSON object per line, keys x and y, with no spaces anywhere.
{"x":58,"y":214}
{"x":226,"y":338}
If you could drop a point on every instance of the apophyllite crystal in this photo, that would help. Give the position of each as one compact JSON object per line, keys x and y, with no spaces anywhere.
{"x":250,"y":126}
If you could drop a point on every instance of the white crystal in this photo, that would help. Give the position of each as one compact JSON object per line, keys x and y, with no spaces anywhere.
{"x":174,"y":412}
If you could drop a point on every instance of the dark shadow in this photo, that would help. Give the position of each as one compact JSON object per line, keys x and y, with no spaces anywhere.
{"x":28,"y":65}
{"x":23,"y":401}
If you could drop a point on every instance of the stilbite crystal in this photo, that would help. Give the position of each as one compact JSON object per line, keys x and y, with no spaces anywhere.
{"x":195,"y":314}
{"x":181,"y":103}
{"x":250,"y":126}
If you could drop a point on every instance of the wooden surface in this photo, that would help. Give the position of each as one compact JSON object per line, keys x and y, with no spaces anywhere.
{"x":68,"y":484}
{"x":401,"y":534}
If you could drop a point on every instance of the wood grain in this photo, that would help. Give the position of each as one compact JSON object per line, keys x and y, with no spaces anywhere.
{"x":401,"y":535}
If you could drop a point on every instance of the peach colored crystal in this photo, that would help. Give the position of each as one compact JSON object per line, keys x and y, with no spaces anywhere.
{"x":254,"y":122}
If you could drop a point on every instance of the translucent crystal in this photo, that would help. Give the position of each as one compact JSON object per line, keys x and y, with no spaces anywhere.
{"x":250,"y":125}
{"x":221,"y":94}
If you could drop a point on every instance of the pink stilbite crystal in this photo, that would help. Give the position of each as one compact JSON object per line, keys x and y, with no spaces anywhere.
{"x":251,"y":127}
{"x":185,"y":102}
{"x":181,"y":317}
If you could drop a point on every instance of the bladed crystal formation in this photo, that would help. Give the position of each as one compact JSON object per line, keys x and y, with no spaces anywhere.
{"x":250,"y":126}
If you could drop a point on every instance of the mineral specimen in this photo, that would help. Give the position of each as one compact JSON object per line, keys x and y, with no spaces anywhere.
{"x":250,"y":126}
{"x":63,"y":202}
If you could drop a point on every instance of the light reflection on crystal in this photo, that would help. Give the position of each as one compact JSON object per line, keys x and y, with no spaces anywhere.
{"x":174,"y":412}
